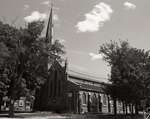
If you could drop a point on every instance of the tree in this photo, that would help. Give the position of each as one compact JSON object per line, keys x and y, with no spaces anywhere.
{"x":24,"y":59}
{"x":129,"y":72}
{"x":3,"y":72}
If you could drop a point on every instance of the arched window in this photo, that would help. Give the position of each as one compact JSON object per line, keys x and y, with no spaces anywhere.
{"x":94,"y":99}
{"x":84,"y":98}
{"x":99,"y":98}
{"x":51,"y":88}
{"x":55,"y":83}
{"x":104,"y":99}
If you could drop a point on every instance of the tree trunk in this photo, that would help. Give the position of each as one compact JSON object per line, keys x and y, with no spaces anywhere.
{"x":1,"y":100}
{"x":126,"y":107}
{"x":136,"y":109}
{"x":115,"y":107}
{"x":123,"y":103}
{"x":11,"y":108}
{"x":132,"y":109}
{"x":109,"y":110}
{"x":36,"y":105}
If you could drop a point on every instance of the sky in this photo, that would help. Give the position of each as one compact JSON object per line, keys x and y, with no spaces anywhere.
{"x":84,"y":25}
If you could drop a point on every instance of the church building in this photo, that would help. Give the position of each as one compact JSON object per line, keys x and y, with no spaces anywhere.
{"x":66,"y":92}
{"x":69,"y":92}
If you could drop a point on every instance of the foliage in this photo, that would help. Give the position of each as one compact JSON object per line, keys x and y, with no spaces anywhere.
{"x":129,"y":71}
{"x":24,"y":57}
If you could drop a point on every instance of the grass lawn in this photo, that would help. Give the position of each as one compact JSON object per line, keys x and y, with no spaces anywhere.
{"x":50,"y":115}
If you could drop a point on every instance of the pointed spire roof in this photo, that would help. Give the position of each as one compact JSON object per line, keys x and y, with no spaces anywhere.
{"x":49,"y":30}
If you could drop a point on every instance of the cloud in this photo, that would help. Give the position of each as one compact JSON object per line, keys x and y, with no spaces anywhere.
{"x":95,"y":56}
{"x":26,"y":7}
{"x":129,"y":5}
{"x":95,"y":18}
{"x":35,"y":16}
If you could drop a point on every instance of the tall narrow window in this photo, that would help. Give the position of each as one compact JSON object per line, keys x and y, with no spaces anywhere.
{"x":59,"y":88}
{"x":100,"y":103}
{"x":84,"y":98}
{"x":61,"y":85}
{"x":104,"y":99}
{"x":51,"y":88}
{"x":55,"y":84}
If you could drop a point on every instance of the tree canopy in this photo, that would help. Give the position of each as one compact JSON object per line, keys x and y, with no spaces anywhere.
{"x":130,"y":71}
{"x":24,"y":56}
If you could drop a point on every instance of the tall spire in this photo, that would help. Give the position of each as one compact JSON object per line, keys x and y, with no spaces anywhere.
{"x":49,"y":31}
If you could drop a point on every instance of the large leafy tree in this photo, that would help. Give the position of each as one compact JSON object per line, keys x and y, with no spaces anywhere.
{"x":129,"y":72}
{"x":23,"y":59}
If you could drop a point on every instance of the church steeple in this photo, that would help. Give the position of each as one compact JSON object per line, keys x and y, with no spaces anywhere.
{"x":49,"y":31}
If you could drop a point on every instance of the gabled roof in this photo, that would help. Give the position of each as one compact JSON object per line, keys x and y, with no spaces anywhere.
{"x":57,"y":66}
{"x":86,"y":78}
{"x":81,"y":86}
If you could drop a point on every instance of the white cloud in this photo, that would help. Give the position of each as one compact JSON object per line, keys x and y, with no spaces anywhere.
{"x":95,"y":18}
{"x":26,"y":7}
{"x":35,"y":16}
{"x":95,"y":56}
{"x":46,"y":2}
{"x":129,"y":5}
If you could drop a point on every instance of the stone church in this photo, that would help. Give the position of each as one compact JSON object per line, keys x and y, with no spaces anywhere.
{"x":67,"y":92}
{"x":64,"y":92}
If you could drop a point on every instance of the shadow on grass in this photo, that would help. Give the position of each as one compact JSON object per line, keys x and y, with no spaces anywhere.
{"x":128,"y":117}
{"x":25,"y":114}
{"x":72,"y":116}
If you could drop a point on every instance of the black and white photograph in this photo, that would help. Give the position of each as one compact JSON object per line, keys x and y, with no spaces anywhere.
{"x":75,"y":59}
